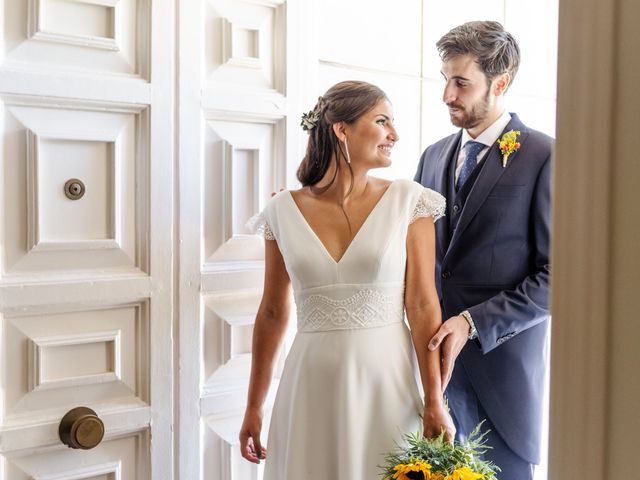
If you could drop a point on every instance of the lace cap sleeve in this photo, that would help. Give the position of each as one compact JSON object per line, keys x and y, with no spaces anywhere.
{"x":258,"y":225}
{"x":430,"y":204}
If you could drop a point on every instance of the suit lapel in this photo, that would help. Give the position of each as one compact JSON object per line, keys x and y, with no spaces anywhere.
{"x":443,"y":162}
{"x":491,"y":172}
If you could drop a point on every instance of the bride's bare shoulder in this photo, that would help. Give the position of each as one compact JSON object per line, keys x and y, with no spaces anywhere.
{"x":380,"y":183}
{"x":300,"y":193}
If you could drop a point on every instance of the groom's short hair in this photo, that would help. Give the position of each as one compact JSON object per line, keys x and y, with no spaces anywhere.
{"x":495,"y":49}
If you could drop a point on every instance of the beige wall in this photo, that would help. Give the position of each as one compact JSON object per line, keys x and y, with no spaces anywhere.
{"x":595,"y":385}
{"x":624,"y":369}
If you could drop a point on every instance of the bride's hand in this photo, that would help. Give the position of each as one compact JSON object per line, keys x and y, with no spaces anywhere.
{"x":250,"y":446}
{"x":436,"y":419}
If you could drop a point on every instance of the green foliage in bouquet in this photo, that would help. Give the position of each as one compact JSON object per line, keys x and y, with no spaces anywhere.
{"x":435,"y":459}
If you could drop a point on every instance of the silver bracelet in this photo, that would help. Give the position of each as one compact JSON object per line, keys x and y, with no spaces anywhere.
{"x":473,"y":333}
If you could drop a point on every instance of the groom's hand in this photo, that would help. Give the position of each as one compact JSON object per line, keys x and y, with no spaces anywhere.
{"x":452,"y":335}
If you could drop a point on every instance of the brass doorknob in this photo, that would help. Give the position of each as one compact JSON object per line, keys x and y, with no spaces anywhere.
{"x":81,"y":428}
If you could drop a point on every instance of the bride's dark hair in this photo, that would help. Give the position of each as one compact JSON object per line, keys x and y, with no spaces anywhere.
{"x":344,"y":102}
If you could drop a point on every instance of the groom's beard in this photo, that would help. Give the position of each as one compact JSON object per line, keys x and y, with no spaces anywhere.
{"x":471,"y":116}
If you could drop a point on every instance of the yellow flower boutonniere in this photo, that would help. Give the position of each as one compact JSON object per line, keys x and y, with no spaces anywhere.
{"x":508,"y":145}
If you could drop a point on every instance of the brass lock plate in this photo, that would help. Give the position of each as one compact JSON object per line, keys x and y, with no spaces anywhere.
{"x":74,"y":189}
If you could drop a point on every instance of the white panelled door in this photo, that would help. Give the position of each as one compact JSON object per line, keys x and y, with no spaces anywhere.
{"x":240,"y":78}
{"x":137,"y":137}
{"x":86,"y":119}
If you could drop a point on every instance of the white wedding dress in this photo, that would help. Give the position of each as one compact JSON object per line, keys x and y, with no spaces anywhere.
{"x":348,"y":390}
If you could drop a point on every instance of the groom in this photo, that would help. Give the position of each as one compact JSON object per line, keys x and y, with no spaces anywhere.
{"x":492,"y":249}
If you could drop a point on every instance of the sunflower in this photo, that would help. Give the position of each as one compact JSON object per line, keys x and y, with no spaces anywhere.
{"x":465,"y":473}
{"x":412,"y":471}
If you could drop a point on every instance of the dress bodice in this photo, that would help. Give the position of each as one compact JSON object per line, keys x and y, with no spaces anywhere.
{"x":365,"y":288}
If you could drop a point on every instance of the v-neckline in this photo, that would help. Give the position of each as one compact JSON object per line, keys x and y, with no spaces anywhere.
{"x":355,"y":237}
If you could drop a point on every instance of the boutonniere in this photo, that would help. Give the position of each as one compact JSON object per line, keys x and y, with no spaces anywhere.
{"x":508,"y":145}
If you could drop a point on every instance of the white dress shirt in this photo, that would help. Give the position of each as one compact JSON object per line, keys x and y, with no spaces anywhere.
{"x":488,"y":138}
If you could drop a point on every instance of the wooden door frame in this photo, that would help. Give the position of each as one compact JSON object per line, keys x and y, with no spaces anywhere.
{"x":582,"y":249}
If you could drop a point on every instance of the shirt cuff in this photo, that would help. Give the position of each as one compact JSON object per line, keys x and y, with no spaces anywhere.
{"x":473,"y":333}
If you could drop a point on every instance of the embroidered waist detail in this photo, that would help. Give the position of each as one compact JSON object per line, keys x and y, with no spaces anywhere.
{"x":364,"y":309}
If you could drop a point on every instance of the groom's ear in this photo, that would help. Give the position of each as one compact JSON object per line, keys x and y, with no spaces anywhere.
{"x":501,"y":83}
{"x":339,"y":130}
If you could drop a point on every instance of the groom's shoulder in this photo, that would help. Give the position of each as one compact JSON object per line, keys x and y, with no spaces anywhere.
{"x":540,"y":140}
{"x":438,"y":147}
{"x":538,"y":149}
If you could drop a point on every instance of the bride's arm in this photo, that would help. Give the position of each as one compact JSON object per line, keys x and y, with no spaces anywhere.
{"x":268,"y":331}
{"x":423,"y":312}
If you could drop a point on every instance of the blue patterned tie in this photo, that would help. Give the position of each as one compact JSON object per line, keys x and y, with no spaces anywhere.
{"x":471,"y":149}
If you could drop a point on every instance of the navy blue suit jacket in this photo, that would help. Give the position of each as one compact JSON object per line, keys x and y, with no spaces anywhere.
{"x":495,"y":264}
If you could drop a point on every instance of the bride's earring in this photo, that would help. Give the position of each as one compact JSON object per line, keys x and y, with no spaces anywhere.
{"x":346,"y":150}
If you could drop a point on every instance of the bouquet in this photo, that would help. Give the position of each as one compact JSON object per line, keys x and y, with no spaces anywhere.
{"x":434,"y":459}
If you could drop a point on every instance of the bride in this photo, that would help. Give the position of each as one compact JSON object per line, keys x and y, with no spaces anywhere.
{"x":359,"y":252}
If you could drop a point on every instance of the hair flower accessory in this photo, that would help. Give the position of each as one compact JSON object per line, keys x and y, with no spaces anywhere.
{"x":508,"y":144}
{"x":312,"y":117}
{"x":309,"y":120}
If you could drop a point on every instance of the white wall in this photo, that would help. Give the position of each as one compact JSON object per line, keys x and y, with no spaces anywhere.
{"x":369,"y":41}
{"x":394,"y":48}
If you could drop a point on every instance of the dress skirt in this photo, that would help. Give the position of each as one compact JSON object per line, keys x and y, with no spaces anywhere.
{"x":345,"y":399}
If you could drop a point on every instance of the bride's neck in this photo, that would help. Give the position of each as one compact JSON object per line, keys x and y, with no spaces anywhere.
{"x":347,"y":184}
